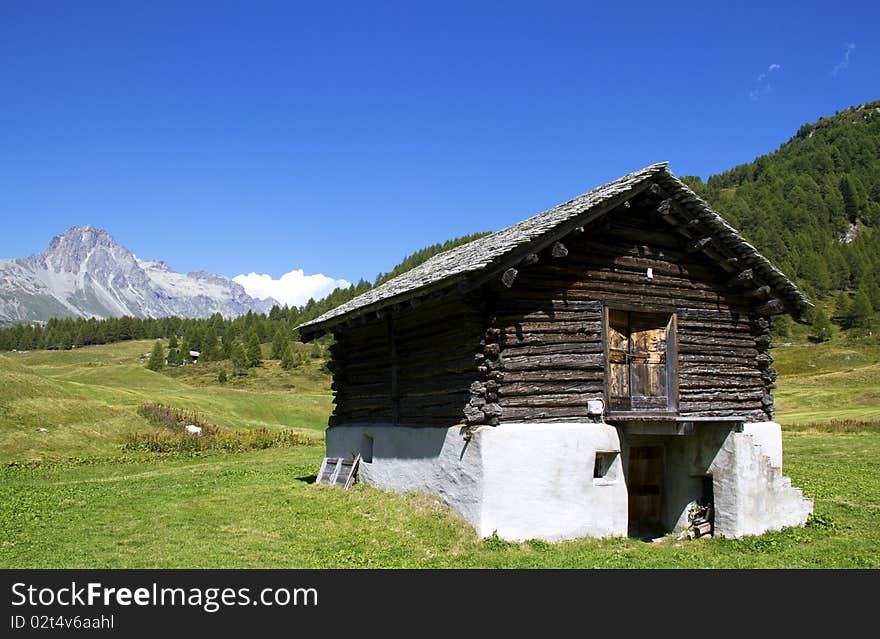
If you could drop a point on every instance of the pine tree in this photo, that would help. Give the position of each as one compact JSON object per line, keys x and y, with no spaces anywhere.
{"x":289,"y":360}
{"x":861,"y":312}
{"x":841,"y":308}
{"x":254,"y":352}
{"x":781,"y":325}
{"x":848,"y":191}
{"x":211,"y":350}
{"x":822,"y":328}
{"x":183,"y":353}
{"x":279,"y":343}
{"x":173,"y":357}
{"x":157,"y":357}
{"x":873,"y":292}
{"x":239,"y":359}
{"x":195,"y":337}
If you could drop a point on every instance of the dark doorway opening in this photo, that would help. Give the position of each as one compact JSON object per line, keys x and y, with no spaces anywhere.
{"x":645,"y":488}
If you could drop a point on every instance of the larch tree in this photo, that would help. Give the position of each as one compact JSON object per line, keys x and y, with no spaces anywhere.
{"x":157,"y":357}
{"x":254,"y":351}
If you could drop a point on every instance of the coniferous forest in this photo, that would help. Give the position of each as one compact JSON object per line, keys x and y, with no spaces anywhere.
{"x":812,"y":207}
{"x":215,"y":337}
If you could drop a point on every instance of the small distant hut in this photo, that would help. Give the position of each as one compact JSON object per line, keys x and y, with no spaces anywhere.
{"x":601,"y":368}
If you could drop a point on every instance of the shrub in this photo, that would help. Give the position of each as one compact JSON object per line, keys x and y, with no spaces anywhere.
{"x":229,"y":441}
{"x":174,"y":419}
{"x":838,"y":426}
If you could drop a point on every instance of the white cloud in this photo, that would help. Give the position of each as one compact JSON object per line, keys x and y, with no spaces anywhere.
{"x":844,"y":63}
{"x":762,"y":83}
{"x":293,"y":288}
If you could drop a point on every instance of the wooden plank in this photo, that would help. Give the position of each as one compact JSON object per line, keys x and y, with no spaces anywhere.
{"x":576,"y":400}
{"x":553,"y":362}
{"x":558,"y":327}
{"x":570,"y":348}
{"x":570,"y":387}
{"x":511,"y":337}
{"x":552,"y":376}
{"x":542,"y":412}
{"x":729,"y":351}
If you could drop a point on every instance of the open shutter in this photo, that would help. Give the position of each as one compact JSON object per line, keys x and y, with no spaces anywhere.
{"x":639,"y":370}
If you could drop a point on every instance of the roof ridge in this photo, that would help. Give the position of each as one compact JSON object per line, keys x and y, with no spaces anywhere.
{"x":477,"y":255}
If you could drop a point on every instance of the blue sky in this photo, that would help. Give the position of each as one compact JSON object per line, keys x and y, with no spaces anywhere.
{"x":338,"y":137}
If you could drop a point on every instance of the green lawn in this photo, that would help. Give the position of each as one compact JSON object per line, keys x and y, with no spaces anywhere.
{"x":258,"y":509}
{"x":97,"y":507}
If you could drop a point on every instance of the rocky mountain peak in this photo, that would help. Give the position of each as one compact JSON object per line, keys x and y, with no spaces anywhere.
{"x":84,"y":272}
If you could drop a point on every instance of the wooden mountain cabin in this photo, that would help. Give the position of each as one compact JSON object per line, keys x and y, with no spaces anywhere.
{"x":601,"y":368}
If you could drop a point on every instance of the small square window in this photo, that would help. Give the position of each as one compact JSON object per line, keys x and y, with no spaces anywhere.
{"x":603,"y":464}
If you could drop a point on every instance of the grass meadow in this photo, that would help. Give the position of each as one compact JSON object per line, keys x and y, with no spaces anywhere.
{"x":70,"y":497}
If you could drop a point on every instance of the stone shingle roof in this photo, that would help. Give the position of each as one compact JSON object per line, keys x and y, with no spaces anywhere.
{"x":491,"y":250}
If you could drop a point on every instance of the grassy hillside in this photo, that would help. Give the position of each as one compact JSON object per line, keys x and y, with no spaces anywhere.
{"x":834,"y":380}
{"x":87,"y":398}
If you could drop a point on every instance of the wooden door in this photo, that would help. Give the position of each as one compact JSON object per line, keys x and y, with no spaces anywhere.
{"x":638,"y":374}
{"x":648,"y":360}
{"x":645,"y":488}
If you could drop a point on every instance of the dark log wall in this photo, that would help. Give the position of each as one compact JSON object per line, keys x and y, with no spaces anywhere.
{"x":530,"y":344}
{"x":546,"y":338}
{"x":412,"y":366}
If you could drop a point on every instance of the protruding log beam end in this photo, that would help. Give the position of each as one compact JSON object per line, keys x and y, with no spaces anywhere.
{"x":760,"y":293}
{"x":665,"y":208}
{"x":509,"y":277}
{"x":530,"y":259}
{"x":698,"y":245}
{"x":773,"y":307}
{"x":743,"y":278}
{"x":558,"y":250}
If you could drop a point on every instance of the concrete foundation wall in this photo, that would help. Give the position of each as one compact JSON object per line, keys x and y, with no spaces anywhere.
{"x":539,"y":483}
{"x":767,"y":435}
{"x":437,"y":461}
{"x":522,"y":480}
{"x":751,"y":494}
{"x":536,"y":480}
